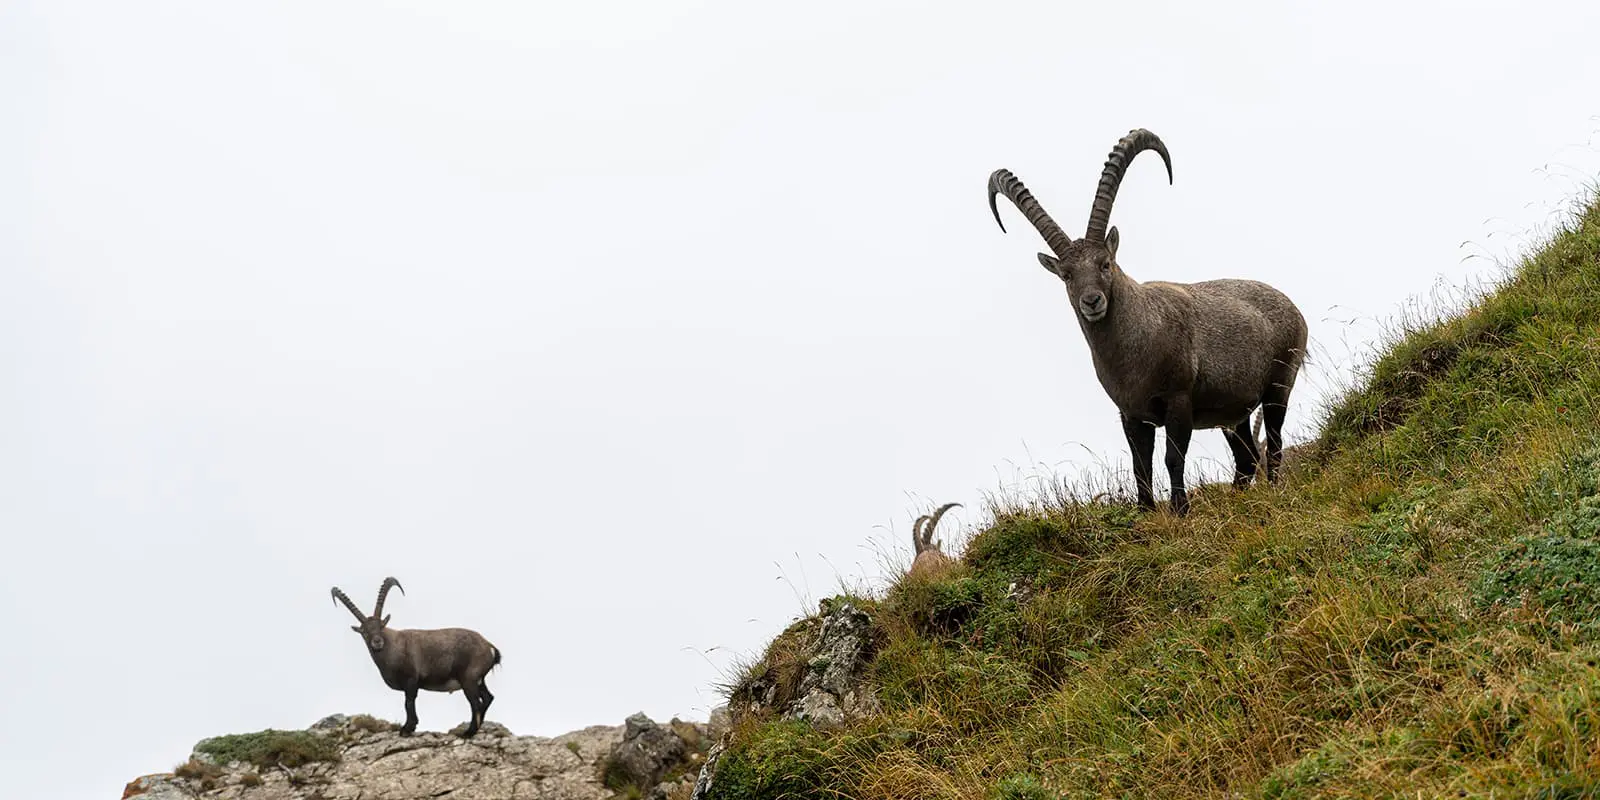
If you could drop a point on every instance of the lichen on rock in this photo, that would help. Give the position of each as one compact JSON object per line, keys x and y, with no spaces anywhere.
{"x":813,"y":671}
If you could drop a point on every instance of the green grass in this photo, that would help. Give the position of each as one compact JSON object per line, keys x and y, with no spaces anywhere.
{"x":270,"y":748}
{"x":1415,"y":611}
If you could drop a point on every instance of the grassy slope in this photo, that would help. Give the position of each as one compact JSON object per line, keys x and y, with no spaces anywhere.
{"x":1413,"y":612}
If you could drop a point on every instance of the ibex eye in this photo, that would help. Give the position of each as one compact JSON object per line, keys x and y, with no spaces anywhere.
{"x":1105,"y":266}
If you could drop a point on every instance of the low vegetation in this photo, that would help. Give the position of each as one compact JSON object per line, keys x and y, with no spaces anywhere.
{"x":206,"y":774}
{"x":1414,"y":612}
{"x":270,"y":748}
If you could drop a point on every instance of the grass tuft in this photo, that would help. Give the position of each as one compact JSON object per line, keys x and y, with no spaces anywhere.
{"x":208,"y":775}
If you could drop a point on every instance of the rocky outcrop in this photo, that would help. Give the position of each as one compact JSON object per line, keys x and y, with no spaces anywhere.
{"x":660,"y":761}
{"x":359,"y":758}
{"x":813,"y":670}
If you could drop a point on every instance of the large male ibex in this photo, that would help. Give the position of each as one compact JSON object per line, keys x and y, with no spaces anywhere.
{"x":1179,"y":355}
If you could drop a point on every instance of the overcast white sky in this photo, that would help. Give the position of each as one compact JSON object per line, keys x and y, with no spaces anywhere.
{"x":590,"y":321}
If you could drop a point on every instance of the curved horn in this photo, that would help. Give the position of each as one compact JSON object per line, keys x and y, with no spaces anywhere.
{"x":340,"y":597}
{"x":1137,"y":141}
{"x":919,"y":539}
{"x":933,"y":521}
{"x":383,"y":592}
{"x":1003,"y":182}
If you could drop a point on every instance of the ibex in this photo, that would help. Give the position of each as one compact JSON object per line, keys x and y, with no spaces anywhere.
{"x":442,"y":660}
{"x":930,"y":558}
{"x":1179,"y":355}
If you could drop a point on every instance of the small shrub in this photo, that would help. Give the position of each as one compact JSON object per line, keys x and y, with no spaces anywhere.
{"x":1558,"y":571}
{"x":196,"y":770}
{"x":614,"y":778}
{"x":270,"y":748}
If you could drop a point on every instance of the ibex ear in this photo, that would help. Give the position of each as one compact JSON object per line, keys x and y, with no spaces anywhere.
{"x":1111,"y":240}
{"x":356,"y":628}
{"x":385,"y":621}
{"x":1051,"y":264}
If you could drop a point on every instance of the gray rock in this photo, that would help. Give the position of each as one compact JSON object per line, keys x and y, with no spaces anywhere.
{"x":382,"y":765}
{"x":494,"y":765}
{"x":721,"y":722}
{"x":161,"y":786}
{"x":662,"y":791}
{"x":702,"y":783}
{"x":646,"y":753}
{"x":330,"y":722}
{"x":835,"y":647}
{"x":831,"y":690}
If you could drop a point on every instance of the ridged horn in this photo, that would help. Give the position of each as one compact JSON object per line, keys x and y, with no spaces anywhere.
{"x":1137,"y":141}
{"x":922,"y":529}
{"x":383,"y":592}
{"x":933,"y":521}
{"x":1001,"y":181}
{"x":340,"y":597}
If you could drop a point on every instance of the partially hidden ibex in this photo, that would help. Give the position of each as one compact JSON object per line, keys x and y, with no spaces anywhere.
{"x":441,"y":660}
{"x":1179,"y":355}
{"x":930,"y":559}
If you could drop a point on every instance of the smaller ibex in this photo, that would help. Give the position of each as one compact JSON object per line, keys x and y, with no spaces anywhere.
{"x":442,"y":660}
{"x":930,"y":558}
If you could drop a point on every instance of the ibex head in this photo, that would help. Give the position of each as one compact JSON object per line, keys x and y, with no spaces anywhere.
{"x":371,"y":627}
{"x":1088,"y":266}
